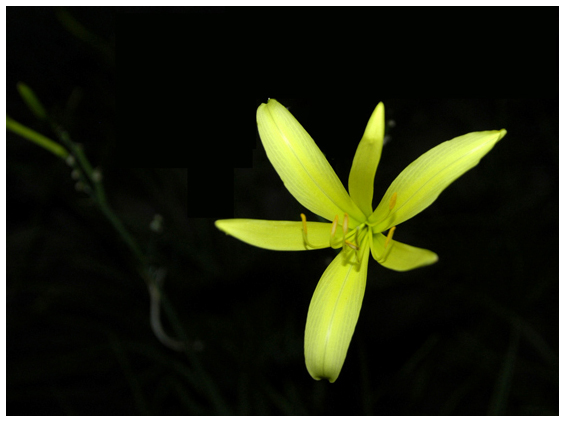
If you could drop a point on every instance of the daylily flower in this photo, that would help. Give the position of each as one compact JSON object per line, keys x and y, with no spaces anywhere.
{"x":355,"y":227}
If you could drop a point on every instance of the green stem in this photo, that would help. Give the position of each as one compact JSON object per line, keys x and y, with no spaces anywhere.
{"x":120,"y":228}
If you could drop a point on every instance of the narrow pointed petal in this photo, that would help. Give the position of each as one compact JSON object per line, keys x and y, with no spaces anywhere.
{"x":421,"y":182}
{"x":277,"y":235}
{"x":333,"y":313}
{"x":366,"y":161}
{"x":301,"y":165}
{"x":400,"y":256}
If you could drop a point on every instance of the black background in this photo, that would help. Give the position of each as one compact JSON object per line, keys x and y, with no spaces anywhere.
{"x":474,"y":334}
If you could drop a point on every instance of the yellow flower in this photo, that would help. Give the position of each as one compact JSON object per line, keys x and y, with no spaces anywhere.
{"x":355,"y":226}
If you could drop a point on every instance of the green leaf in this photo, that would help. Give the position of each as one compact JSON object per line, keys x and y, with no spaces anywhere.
{"x":36,"y":138}
{"x":32,"y":101}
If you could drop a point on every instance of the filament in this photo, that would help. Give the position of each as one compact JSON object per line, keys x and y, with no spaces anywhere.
{"x":333,"y":230}
{"x":345,"y":228}
{"x":389,"y":236}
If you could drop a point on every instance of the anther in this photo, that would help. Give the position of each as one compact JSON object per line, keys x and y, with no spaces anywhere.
{"x":345,"y":230}
{"x":334,"y":227}
{"x":351,"y":245}
{"x":392,"y":202}
{"x":304,"y":226}
{"x":354,"y":246}
{"x":304,"y":229}
{"x":389,"y":236}
{"x":305,"y":235}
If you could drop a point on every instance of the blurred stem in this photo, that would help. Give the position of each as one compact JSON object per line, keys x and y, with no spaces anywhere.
{"x":92,"y":181}
{"x":82,"y":33}
{"x":120,"y":228}
{"x":95,"y":179}
{"x":77,"y":159}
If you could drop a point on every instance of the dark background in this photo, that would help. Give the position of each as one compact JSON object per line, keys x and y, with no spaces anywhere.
{"x":474,"y":334}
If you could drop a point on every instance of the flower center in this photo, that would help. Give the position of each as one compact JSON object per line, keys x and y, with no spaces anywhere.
{"x":391,"y":205}
{"x":350,"y":236}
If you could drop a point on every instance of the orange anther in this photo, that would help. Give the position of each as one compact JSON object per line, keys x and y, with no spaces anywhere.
{"x":392,"y":202}
{"x":304,"y":226}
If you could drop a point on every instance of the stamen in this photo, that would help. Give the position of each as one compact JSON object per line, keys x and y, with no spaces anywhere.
{"x":304,"y":229}
{"x":304,"y":226}
{"x":391,"y":205}
{"x":392,"y":202}
{"x":389,"y":236}
{"x":307,"y":244}
{"x":333,"y":231}
{"x":351,"y":245}
{"x":354,"y":245}
{"x":334,"y":228}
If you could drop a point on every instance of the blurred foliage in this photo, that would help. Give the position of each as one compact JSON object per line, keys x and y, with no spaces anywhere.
{"x":475,"y":334}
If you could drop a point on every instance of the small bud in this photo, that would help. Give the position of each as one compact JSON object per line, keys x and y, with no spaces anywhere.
{"x":157,"y":224}
{"x":81,"y":187}
{"x":70,"y":160}
{"x":97,"y":175}
{"x":75,"y":174}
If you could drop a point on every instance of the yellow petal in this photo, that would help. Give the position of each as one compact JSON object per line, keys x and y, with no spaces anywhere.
{"x":301,"y":165}
{"x":366,"y":161}
{"x":333,"y":313}
{"x":419,"y":184}
{"x":277,"y":235}
{"x":400,"y":256}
